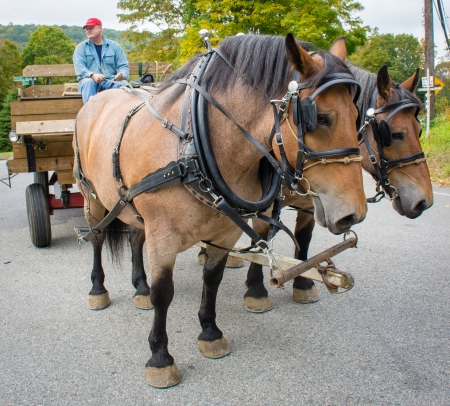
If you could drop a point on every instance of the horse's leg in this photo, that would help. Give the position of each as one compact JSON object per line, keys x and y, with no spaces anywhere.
{"x":232,"y":262}
{"x":304,"y":289}
{"x":211,"y":341}
{"x":161,"y":369}
{"x":141,"y":298}
{"x":98,"y":296}
{"x":256,"y":298}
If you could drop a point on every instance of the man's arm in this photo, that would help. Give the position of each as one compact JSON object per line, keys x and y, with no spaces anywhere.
{"x":79,"y":61}
{"x":121,"y":62}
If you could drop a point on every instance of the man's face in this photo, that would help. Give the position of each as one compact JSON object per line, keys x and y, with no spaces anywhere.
{"x":93,"y":31}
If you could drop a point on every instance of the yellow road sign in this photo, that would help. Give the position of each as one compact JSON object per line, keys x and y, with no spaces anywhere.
{"x":438,"y":82}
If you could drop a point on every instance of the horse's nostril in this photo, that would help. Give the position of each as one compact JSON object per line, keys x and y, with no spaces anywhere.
{"x":346,"y":222}
{"x":420,"y":207}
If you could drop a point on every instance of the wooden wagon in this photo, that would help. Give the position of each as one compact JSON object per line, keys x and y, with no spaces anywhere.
{"x":43,"y":120}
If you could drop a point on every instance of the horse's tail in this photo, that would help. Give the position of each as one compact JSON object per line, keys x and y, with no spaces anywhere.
{"x":114,"y":237}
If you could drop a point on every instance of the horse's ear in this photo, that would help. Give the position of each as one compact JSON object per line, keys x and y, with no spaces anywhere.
{"x":412,"y":82}
{"x":299,"y":58}
{"x":383,"y":82}
{"x":339,"y":49}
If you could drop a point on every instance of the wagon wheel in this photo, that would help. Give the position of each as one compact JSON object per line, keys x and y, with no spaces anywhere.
{"x":38,"y":215}
{"x":42,"y":179}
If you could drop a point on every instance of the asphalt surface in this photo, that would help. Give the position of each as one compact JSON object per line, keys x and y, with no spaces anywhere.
{"x":386,"y":342}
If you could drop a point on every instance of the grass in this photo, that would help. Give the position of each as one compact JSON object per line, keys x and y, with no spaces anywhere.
{"x":5,"y":155}
{"x":437,"y":150}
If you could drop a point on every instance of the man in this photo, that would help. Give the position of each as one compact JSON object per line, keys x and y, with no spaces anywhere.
{"x":98,"y":61}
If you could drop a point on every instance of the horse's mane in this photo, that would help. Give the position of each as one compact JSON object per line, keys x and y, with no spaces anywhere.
{"x":259,"y":60}
{"x":368,"y":82}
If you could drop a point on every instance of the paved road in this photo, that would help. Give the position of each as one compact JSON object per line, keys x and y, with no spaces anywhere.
{"x":386,"y":342}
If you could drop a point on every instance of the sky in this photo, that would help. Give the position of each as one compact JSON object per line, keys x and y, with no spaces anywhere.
{"x":390,"y":16}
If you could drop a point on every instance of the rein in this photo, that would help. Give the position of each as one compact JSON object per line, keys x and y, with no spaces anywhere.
{"x":383,"y":136}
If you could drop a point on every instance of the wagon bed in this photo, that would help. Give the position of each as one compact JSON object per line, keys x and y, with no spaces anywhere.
{"x":43,"y":118}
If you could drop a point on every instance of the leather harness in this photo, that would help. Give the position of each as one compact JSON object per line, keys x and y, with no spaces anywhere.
{"x":196,"y":168}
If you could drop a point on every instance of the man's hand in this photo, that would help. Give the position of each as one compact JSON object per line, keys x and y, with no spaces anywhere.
{"x":97,"y":78}
{"x":119,"y":76}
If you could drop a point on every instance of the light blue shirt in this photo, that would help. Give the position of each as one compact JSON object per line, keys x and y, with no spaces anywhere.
{"x":85,"y":59}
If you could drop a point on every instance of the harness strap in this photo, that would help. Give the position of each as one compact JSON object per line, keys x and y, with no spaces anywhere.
{"x":170,"y":174}
{"x":258,"y":146}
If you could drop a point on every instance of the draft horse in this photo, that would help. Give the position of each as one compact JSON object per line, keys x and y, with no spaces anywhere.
{"x":392,"y":154}
{"x":161,"y":180}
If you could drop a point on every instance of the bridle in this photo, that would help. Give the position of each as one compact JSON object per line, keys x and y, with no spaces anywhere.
{"x":383,"y":136}
{"x":304,"y":113}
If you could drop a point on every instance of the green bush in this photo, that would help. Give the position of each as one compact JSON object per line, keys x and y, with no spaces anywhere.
{"x":5,"y":120}
{"x":437,"y":149}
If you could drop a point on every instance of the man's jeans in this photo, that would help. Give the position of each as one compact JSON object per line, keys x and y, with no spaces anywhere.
{"x":88,"y":88}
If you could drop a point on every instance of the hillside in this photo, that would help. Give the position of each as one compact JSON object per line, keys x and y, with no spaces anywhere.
{"x":21,"y":33}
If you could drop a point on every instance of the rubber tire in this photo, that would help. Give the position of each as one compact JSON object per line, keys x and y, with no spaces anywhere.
{"x":41,"y":178}
{"x":38,"y":215}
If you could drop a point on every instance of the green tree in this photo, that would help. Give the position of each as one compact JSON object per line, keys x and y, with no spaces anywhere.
{"x":442,"y":71}
{"x":48,"y":46}
{"x":317,"y":21}
{"x":166,"y":16}
{"x":10,"y":63}
{"x":5,"y":120}
{"x":402,"y":54}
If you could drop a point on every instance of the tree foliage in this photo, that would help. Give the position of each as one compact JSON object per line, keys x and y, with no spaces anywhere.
{"x":179,"y":21}
{"x":402,"y":54}
{"x":10,"y":63}
{"x":5,"y":120}
{"x":48,"y":46}
{"x":20,"y":34}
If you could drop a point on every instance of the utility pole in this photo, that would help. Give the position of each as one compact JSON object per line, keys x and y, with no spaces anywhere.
{"x":429,"y":49}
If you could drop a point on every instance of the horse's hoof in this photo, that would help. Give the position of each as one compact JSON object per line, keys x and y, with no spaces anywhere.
{"x":258,"y":305}
{"x":142,"y":302}
{"x":306,"y":296}
{"x":163,"y":377}
{"x":232,"y":262}
{"x":214,"y":349}
{"x":99,"y":302}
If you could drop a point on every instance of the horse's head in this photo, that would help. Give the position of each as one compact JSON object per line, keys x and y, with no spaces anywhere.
{"x":394,"y":138}
{"x":325,"y":115}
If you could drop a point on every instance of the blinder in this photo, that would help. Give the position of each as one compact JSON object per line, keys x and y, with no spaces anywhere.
{"x":305,"y":111}
{"x":308,"y":114}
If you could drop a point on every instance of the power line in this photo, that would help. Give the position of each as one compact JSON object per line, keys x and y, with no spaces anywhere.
{"x":441,"y":13}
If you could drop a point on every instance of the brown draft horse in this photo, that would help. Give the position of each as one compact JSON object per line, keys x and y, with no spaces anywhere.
{"x":411,"y":180}
{"x":261,"y":68}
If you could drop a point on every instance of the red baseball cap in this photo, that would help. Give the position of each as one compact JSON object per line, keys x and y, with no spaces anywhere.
{"x":91,"y":22}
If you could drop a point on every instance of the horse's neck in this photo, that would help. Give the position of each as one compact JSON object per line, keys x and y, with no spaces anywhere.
{"x":256,"y":118}
{"x":236,"y":157}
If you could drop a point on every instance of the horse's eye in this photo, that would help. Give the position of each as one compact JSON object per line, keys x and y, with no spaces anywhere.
{"x":398,"y":136}
{"x":324,"y":119}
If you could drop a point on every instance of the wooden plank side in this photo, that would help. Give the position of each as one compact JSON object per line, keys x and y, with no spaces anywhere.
{"x":63,"y":70}
{"x":46,"y":71}
{"x":43,"y":91}
{"x":162,"y":67}
{"x":65,"y":177}
{"x":36,"y":106}
{"x":64,"y":163}
{"x":54,"y":149}
{"x":45,"y":127}
{"x":41,"y":117}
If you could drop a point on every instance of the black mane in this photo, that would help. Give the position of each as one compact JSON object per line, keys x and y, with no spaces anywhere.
{"x":260,"y":61}
{"x":368,"y":82}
